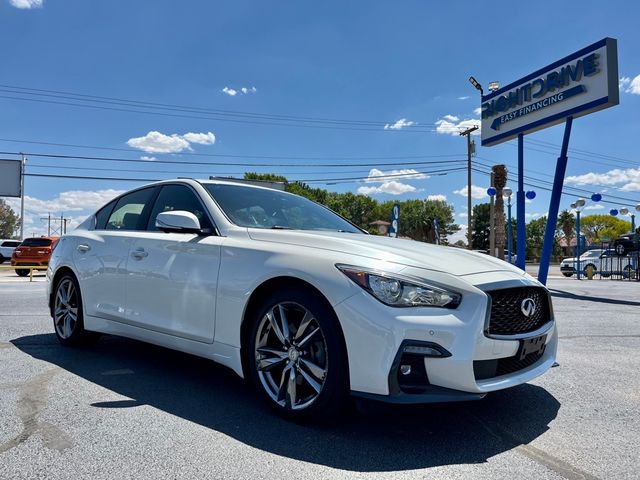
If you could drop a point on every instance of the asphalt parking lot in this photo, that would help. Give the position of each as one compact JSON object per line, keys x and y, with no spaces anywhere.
{"x":123,"y":409}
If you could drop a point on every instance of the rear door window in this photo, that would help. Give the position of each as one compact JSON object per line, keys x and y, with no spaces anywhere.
{"x":130,"y":211}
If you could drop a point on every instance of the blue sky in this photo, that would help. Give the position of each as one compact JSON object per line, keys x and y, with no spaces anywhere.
{"x":396,"y":64}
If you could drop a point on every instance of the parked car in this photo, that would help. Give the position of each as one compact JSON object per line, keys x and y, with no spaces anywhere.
{"x":6,"y":249}
{"x":33,"y":252}
{"x":298,"y":300}
{"x":607,"y":262}
{"x":627,"y":243}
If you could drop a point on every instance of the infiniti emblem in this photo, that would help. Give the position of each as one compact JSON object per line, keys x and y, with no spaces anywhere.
{"x":528,"y":307}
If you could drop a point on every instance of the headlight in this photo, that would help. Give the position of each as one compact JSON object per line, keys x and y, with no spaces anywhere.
{"x":397,"y":291}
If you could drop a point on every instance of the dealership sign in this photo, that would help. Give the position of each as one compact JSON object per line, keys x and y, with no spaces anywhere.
{"x":10,"y":178}
{"x":584,"y":82}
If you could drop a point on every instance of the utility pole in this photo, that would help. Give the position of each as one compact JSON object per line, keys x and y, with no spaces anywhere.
{"x":24,"y":164}
{"x":467,"y":133}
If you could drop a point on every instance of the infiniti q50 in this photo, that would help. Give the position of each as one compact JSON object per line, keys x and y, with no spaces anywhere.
{"x":298,"y":300}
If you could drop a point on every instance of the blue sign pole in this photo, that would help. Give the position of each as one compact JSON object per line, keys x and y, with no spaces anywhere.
{"x":554,"y":205}
{"x":521,"y":233}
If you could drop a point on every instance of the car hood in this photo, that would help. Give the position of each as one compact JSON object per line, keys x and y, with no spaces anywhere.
{"x":456,"y":261}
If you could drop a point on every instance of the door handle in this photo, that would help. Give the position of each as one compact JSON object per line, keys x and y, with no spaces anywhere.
{"x":139,"y":253}
{"x":83,"y":247}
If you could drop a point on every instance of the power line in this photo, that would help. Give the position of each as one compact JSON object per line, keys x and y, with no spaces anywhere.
{"x":195,"y":154}
{"x":175,"y":162}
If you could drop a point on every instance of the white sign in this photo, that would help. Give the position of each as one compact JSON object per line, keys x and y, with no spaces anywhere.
{"x":584,"y":82}
{"x":10,"y":171}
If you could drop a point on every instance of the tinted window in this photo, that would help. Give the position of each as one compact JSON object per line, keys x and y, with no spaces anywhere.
{"x":103,"y":215}
{"x":36,"y":242}
{"x":178,"y":197}
{"x":265,"y":208}
{"x":10,"y":243}
{"x":128,"y":213}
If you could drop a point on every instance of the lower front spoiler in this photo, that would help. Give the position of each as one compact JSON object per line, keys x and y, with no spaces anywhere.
{"x":428,"y":394}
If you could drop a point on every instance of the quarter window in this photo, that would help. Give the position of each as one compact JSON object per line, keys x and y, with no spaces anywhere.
{"x":178,"y":197}
{"x":128,"y":213}
{"x":103,"y":215}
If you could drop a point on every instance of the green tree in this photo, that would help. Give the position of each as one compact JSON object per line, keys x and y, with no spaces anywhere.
{"x":481,"y":226}
{"x":598,"y":228}
{"x":566,"y":225}
{"x":535,"y":236}
{"x":8,"y":220}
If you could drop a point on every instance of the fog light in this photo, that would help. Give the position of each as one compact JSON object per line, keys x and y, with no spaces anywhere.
{"x":423,"y":350}
{"x":405,"y":369}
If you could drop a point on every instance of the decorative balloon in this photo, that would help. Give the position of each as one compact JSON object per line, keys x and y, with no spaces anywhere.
{"x":530,"y":194}
{"x":613,"y":212}
{"x":491,"y":191}
{"x":596,"y":197}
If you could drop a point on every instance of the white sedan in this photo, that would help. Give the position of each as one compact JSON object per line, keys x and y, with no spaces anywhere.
{"x":294,"y":297}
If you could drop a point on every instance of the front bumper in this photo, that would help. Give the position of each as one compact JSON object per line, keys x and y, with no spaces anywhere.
{"x":375,"y":333}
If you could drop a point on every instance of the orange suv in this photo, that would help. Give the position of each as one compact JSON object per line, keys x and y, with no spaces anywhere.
{"x":33,"y":252}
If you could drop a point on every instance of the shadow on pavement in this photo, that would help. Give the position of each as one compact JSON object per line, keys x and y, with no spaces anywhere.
{"x":591,"y":298}
{"x":386,"y":438}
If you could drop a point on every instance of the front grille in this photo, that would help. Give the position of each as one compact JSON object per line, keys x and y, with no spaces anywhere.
{"x":506,"y":316}
{"x":484,"y":369}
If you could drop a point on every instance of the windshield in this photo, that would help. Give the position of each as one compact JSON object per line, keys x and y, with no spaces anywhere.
{"x":591,"y":253}
{"x":264,"y":208}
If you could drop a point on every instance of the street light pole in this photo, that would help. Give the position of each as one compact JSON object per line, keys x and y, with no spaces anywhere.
{"x":577,"y":206}
{"x":24,"y":164}
{"x":467,"y":133}
{"x":507,"y":192}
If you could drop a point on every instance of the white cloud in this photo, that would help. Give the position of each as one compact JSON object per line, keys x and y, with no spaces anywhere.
{"x":627,"y":179}
{"x":477,"y":111}
{"x":463,"y":214}
{"x":630,"y":85}
{"x":399,"y":125}
{"x":378,"y":176}
{"x":459,"y":235}
{"x":147,"y":158}
{"x":232,"y":92}
{"x":156,"y":142}
{"x":476,"y":192}
{"x":466,"y":97}
{"x":594,"y":206}
{"x":201,"y":138}
{"x":74,"y":205}
{"x":533,"y":216}
{"x":26,"y":4}
{"x":391,"y":187}
{"x":438,"y":197}
{"x":451,"y":125}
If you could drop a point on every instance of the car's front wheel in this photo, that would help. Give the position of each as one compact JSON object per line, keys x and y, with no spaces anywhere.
{"x":68,"y":319}
{"x":297,"y":356}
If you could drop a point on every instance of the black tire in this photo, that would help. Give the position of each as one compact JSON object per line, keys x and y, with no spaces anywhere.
{"x":567,"y":274}
{"x":2,"y":259}
{"x":70,"y":332}
{"x":22,"y":272}
{"x":323,"y":350}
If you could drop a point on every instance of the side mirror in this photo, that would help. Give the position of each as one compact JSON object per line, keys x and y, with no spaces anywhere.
{"x":178,"y":221}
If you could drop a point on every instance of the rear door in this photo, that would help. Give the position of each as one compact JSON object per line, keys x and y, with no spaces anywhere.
{"x":173,"y":277}
{"x":101,"y":254}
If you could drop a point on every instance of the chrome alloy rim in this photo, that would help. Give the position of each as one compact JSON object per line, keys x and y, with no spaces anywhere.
{"x":65,"y":313}
{"x":291,"y":355}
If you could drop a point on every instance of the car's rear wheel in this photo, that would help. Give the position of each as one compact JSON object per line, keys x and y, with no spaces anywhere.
{"x":2,"y":259}
{"x":567,"y":274}
{"x":297,"y":356}
{"x":68,"y":319}
{"x":22,"y":272}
